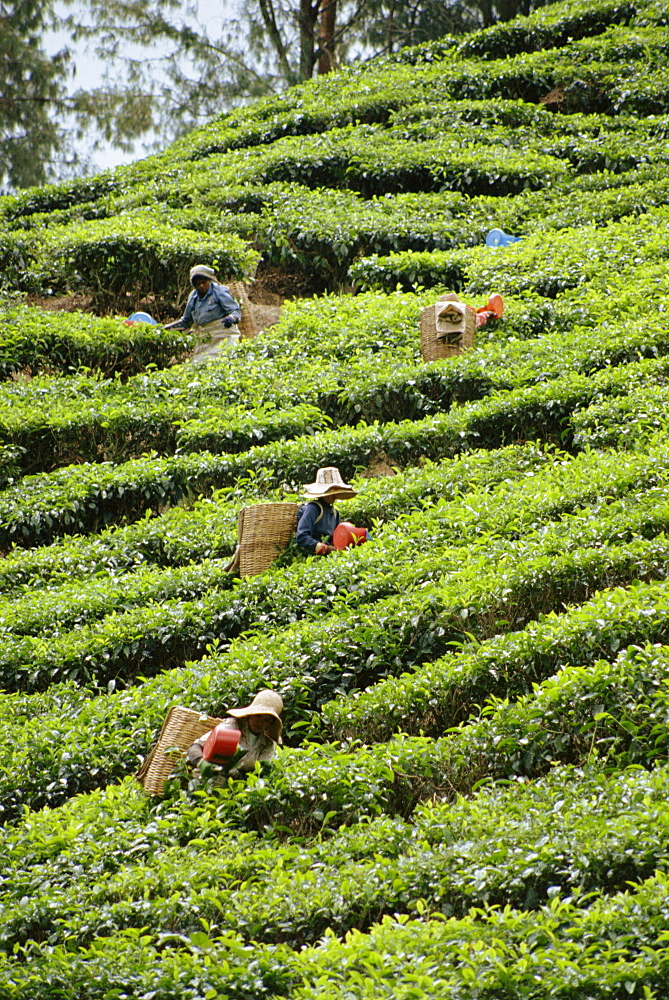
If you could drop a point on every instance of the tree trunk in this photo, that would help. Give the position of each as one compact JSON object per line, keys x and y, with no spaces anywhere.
{"x":487,"y":14}
{"x":307,"y":18}
{"x":269,"y":17}
{"x":390,"y":28}
{"x":508,"y":9}
{"x":326,"y":54}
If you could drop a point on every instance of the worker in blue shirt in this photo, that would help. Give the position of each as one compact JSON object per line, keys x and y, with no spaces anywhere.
{"x":318,"y":518}
{"x":210,"y":307}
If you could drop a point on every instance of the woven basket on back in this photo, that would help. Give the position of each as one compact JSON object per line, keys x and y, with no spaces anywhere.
{"x":181,"y":727}
{"x":248,"y":327}
{"x":432,"y":348}
{"x":263,"y":531}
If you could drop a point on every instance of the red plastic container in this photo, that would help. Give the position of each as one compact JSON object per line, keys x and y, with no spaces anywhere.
{"x":495,"y":304}
{"x":221,"y":744}
{"x":346,"y":534}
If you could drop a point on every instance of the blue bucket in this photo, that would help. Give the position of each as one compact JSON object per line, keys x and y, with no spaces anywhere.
{"x":498,"y":238}
{"x":142,"y":317}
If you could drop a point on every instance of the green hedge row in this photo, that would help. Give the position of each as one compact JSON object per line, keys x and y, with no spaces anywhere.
{"x":305,"y":659}
{"x":318,"y":788}
{"x":290,"y":899}
{"x":325,"y":230}
{"x":59,"y":421}
{"x":178,"y":537}
{"x":627,"y":422}
{"x":381,"y":325}
{"x":167,"y":898}
{"x":321,"y":231}
{"x":412,"y":546}
{"x":51,"y":197}
{"x":318,"y":107}
{"x":370,"y":161}
{"x":56,"y":611}
{"x":591,"y":65}
{"x":591,"y":74}
{"x":131,"y":257}
{"x":413,"y":392}
{"x":399,"y":958}
{"x":606,"y":950}
{"x":590,"y":143}
{"x":552,"y":28}
{"x":207,"y":530}
{"x":599,"y":714}
{"x":84,"y":498}
{"x":581,"y":254}
{"x":90,"y":430}
{"x":294,"y":894}
{"x":619,"y":710}
{"x":435,"y":696}
{"x":34,"y":340}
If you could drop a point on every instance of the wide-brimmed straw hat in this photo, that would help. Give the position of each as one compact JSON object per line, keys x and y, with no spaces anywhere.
{"x":202,"y":271}
{"x":328,"y":483}
{"x":265,"y":703}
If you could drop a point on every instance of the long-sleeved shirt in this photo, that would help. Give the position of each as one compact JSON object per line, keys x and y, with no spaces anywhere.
{"x":257,"y":746}
{"x":313,"y":528}
{"x":202,"y":309}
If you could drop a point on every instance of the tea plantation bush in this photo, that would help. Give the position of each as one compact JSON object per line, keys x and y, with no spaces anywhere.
{"x":470,"y":800}
{"x":33,"y":340}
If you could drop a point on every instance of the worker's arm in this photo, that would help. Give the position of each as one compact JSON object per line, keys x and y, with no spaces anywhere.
{"x":194,"y":752}
{"x":186,"y":321}
{"x":264,"y":750}
{"x":229,"y":305}
{"x":309,"y":532}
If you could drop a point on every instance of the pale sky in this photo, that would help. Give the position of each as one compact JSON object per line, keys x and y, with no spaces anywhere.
{"x":89,"y":70}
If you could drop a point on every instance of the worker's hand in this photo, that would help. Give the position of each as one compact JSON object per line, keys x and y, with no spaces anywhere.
{"x":228,"y":322}
{"x":323,"y":550}
{"x":206,"y":768}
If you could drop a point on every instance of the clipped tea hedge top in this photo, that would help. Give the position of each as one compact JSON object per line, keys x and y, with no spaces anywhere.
{"x":133,"y":254}
{"x":35,"y":340}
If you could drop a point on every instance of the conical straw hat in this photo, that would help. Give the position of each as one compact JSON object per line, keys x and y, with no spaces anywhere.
{"x":328,"y":481}
{"x":265,"y":703}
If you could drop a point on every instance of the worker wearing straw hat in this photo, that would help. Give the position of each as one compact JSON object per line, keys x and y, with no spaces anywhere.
{"x":260,"y":727}
{"x":318,"y":518}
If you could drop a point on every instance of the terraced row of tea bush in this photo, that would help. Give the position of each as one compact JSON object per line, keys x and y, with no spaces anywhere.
{"x":471,"y":798}
{"x":373,"y":633}
{"x":86,"y":497}
{"x":56,"y":421}
{"x":291,"y":893}
{"x":110,"y":239}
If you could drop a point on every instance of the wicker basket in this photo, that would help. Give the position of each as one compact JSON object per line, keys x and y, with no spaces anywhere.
{"x":248,"y":328}
{"x":181,"y":727}
{"x":432,"y":348}
{"x":263,"y":531}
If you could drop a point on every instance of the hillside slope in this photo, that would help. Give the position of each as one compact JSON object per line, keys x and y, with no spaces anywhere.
{"x":472,"y":797}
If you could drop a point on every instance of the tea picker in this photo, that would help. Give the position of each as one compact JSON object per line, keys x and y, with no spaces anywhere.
{"x":449,"y":327}
{"x":210,"y":307}
{"x":245,"y":736}
{"x":231,"y":745}
{"x":319,"y":523}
